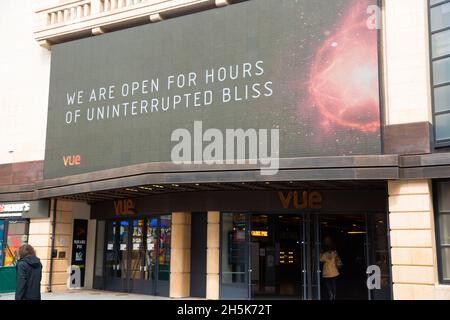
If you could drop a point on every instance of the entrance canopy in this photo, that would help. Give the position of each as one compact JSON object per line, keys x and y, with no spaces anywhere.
{"x":224,"y":188}
{"x":156,"y":178}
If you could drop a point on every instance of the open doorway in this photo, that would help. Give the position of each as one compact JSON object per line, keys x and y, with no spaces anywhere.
{"x":276,"y":255}
{"x":285,"y":251}
{"x":347,"y":236}
{"x":281,"y":255}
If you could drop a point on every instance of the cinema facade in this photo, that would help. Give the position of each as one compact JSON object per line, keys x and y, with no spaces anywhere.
{"x":358,"y":111}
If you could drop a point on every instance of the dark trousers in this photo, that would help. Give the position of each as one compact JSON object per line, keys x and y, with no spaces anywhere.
{"x":330,"y":284}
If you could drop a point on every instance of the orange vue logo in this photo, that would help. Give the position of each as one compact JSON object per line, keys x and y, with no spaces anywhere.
{"x":72,"y":160}
{"x":124,"y":207}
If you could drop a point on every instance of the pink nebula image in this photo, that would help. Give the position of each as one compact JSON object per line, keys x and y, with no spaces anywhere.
{"x":343,"y":80}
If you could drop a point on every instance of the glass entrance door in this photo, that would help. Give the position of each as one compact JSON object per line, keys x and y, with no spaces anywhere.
{"x":377,"y":251}
{"x":137,"y":255}
{"x":235,"y":259}
{"x":342,"y":237}
{"x":116,"y":255}
{"x":360,"y":241}
{"x":277,"y":255}
{"x":296,"y":256}
{"x":139,"y":283}
{"x":150,"y":253}
{"x":265,"y":256}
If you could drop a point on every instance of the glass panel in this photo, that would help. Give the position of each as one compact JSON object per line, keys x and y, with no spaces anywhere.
{"x":433,"y":2}
{"x":151,"y":243}
{"x":137,"y":249}
{"x":440,"y":17}
{"x":446,"y":263}
{"x":99,"y":248}
{"x":313,"y":246}
{"x":17,"y":235}
{"x":112,"y":253}
{"x":2,"y":234}
{"x":441,"y":71}
{"x":444,"y":224}
{"x":123,"y":247}
{"x":442,"y":126}
{"x":442,"y":98}
{"x":379,"y":253}
{"x":441,"y":44}
{"x":164,"y":247}
{"x":116,"y":248}
{"x":233,"y":249}
{"x":289,"y":255}
{"x":444,"y":196}
{"x":263,"y":255}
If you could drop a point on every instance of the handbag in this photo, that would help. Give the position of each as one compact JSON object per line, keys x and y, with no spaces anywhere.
{"x":339,"y":263}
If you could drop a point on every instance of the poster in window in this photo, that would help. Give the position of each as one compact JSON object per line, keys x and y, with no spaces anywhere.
{"x":79,"y":242}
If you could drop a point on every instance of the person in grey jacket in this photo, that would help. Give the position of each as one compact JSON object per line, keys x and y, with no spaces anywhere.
{"x":28,"y":274}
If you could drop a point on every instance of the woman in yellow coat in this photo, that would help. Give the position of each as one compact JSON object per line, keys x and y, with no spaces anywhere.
{"x":331,"y":265}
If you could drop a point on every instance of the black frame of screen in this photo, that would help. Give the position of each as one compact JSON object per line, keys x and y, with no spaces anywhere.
{"x":443,"y":142}
{"x":437,"y":226}
{"x":381,"y":86}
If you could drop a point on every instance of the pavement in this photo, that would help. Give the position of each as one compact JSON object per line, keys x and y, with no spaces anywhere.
{"x":82,"y":294}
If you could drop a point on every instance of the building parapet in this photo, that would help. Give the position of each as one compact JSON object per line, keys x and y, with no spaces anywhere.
{"x":83,"y":18}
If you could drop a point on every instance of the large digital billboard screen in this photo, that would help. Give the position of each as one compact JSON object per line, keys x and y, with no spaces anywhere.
{"x":308,"y":68}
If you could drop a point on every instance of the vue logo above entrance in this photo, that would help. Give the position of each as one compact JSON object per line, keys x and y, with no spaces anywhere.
{"x":124,"y":207}
{"x":301,"y":200}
